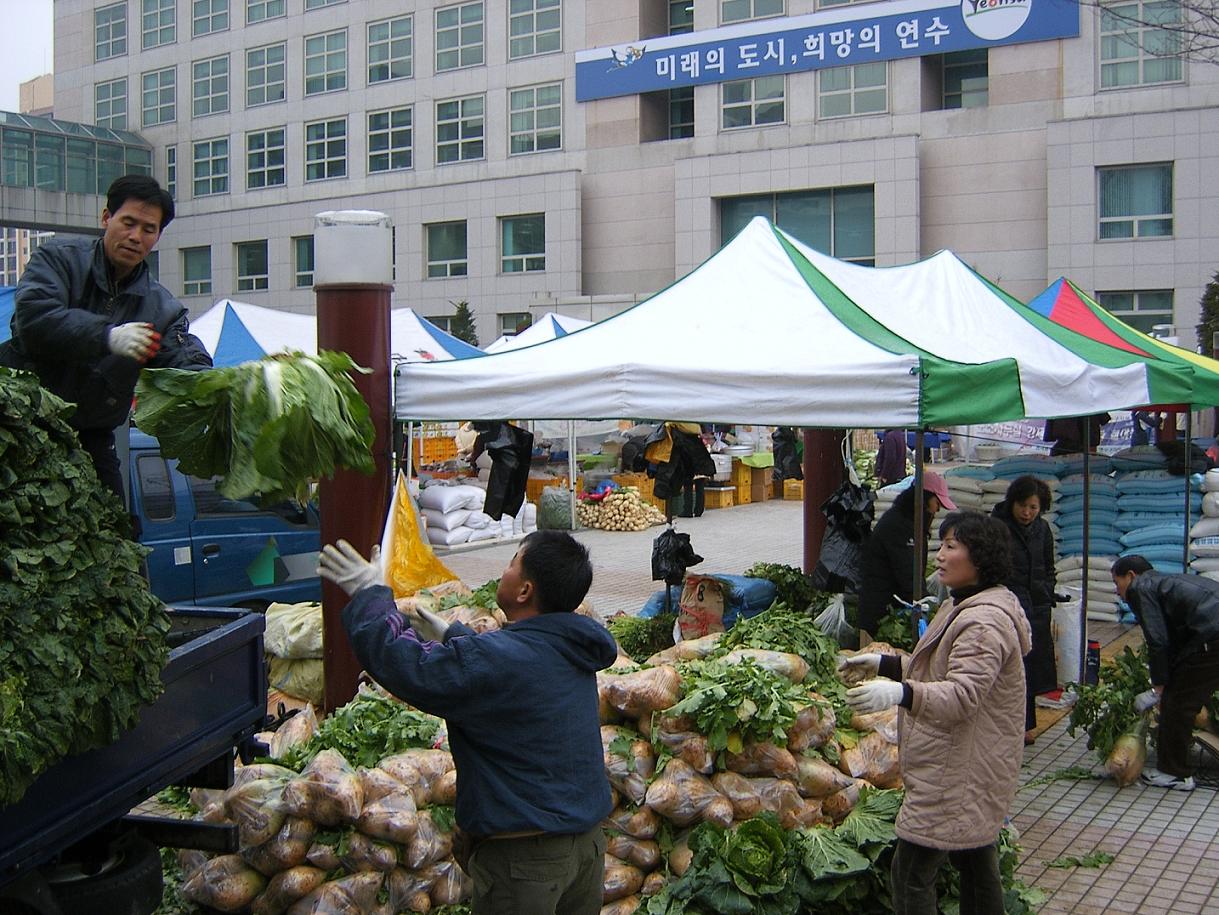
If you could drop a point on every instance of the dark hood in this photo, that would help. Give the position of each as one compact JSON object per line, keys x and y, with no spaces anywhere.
{"x":583,"y":642}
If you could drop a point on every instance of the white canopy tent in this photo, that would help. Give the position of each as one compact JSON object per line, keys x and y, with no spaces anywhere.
{"x":547,"y":327}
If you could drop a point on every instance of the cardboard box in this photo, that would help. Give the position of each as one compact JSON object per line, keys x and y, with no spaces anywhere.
{"x":724,"y":497}
{"x":760,"y":480}
{"x":794,"y":490}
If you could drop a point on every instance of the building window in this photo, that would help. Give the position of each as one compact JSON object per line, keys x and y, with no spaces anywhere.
{"x":110,"y":31}
{"x":391,"y":49}
{"x":82,"y":166}
{"x":1141,"y":309}
{"x":209,"y":16}
{"x":259,"y":10}
{"x":210,"y":86}
{"x":264,"y":74}
{"x":158,"y":23}
{"x":390,"y":139}
{"x":522,"y":243}
{"x":740,"y":10}
{"x":326,"y":149}
{"x":752,"y":102}
{"x":49,"y":162}
{"x":1140,"y":41}
{"x":252,"y":271}
{"x":459,"y":129}
{"x":110,"y":104}
{"x":535,"y":119}
{"x":211,"y":173}
{"x":446,"y":249}
{"x":681,"y":101}
{"x":302,"y":261}
{"x":264,"y":157}
{"x":512,"y":323}
{"x":160,"y":95}
{"x":1135,"y":201}
{"x":153,"y":260}
{"x":965,"y":79}
{"x":171,"y":170}
{"x":837,"y":221}
{"x":326,"y":62}
{"x":18,"y":157}
{"x":459,"y":36}
{"x":859,"y":89}
{"x":534,"y":27}
{"x":197,"y":271}
{"x":444,"y":322}
{"x":318,"y":4}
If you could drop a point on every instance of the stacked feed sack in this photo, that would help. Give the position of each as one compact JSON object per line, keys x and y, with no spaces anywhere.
{"x":1074,"y":579}
{"x":1204,"y":535}
{"x":448,"y":509}
{"x":293,"y":644}
{"x":1152,"y":515}
{"x":965,"y":486}
{"x":525,"y":521}
{"x":1103,"y":536}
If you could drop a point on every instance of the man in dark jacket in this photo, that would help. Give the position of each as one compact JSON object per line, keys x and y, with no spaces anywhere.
{"x":522,"y":714}
{"x":1179,"y":615}
{"x":87,"y":316}
{"x":891,"y":457}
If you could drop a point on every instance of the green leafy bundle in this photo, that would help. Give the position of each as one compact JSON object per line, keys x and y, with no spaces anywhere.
{"x":792,"y":586}
{"x":641,"y":638}
{"x":267,"y":427}
{"x":82,"y":639}
{"x":733,"y":704}
{"x":896,"y":629}
{"x":481,"y":597}
{"x":1106,"y":711}
{"x":366,"y":730}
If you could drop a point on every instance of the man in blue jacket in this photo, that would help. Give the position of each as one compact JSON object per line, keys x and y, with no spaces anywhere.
{"x":521,"y":708}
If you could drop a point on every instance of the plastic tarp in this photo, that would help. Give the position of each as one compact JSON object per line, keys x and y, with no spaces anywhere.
{"x":6,"y":311}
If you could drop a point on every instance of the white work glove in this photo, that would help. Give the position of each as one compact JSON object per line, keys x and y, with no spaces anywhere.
{"x":1146,"y":700}
{"x":874,"y":696}
{"x":135,"y":340}
{"x":865,"y":664}
{"x":342,"y":564}
{"x":429,"y":626}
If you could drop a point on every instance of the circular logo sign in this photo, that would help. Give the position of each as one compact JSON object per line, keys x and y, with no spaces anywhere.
{"x":995,"y":19}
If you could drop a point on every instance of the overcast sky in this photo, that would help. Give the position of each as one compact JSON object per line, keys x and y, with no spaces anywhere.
{"x":25,"y":45}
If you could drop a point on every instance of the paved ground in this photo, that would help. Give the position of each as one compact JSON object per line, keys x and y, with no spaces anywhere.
{"x":1166,"y":855}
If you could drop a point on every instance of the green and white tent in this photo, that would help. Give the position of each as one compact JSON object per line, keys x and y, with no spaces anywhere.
{"x":769,"y":331}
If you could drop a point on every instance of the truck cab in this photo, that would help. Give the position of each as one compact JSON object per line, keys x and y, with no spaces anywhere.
{"x":211,"y":551}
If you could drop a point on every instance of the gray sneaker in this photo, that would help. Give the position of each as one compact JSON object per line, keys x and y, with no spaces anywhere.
{"x":1157,"y":779}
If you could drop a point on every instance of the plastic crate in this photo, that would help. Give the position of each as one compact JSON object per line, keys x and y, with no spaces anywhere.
{"x":435,"y":449}
{"x":641,"y":481}
{"x":535,"y":485}
{"x":793,"y":490}
{"x":720,"y":498}
{"x":742,"y":474}
{"x":744,"y":494}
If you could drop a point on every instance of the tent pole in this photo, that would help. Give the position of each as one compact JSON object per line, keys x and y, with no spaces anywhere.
{"x":1083,"y":604}
{"x":920,"y":522}
{"x":571,"y":469}
{"x":1189,"y":436}
{"x":410,"y":449}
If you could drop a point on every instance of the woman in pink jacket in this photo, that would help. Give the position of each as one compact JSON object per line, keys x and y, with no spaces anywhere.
{"x":960,"y":721}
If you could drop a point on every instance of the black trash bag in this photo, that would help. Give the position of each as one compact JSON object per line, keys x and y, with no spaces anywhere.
{"x":671,"y":556}
{"x":1174,"y":452}
{"x":849,"y":512}
{"x":787,"y":454}
{"x":511,"y":450}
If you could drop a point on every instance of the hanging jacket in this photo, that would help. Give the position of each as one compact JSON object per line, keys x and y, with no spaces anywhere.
{"x":511,"y":451}
{"x":687,"y":459}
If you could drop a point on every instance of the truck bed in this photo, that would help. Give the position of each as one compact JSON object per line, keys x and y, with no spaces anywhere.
{"x":215,"y":696}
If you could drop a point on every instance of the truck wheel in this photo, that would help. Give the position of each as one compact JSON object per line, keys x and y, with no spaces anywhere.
{"x":133,"y":886}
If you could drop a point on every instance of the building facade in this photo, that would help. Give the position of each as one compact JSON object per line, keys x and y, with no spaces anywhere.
{"x":516,"y":186}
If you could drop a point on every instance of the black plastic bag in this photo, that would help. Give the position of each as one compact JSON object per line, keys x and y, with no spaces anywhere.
{"x":671,"y":556}
{"x":849,"y":512}
{"x":787,"y":454}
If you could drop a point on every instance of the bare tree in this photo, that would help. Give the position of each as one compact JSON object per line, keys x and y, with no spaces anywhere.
{"x":1185,"y":29}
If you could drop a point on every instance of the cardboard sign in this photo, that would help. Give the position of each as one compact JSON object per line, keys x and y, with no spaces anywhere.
{"x":702,"y":607}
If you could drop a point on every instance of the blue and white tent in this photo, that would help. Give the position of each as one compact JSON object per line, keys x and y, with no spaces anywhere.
{"x":548,"y":327}
{"x":6,"y":311}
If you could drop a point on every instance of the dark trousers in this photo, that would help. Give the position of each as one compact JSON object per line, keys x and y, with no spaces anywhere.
{"x":1194,"y":679}
{"x":914,"y":872}
{"x":539,"y":875}
{"x":100,"y":445}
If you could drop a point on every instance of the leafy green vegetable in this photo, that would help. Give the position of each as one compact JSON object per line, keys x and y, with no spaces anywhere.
{"x":482,"y":597}
{"x":641,"y":638}
{"x":792,"y":586}
{"x":1106,"y":711}
{"x":172,"y":900}
{"x":268,"y":427}
{"x":366,"y":730}
{"x":1071,"y":773}
{"x":896,"y":629}
{"x":871,"y":820}
{"x":82,"y":639}
{"x":177,"y":798}
{"x":733,"y":704}
{"x":1095,"y":859}
{"x":444,"y":816}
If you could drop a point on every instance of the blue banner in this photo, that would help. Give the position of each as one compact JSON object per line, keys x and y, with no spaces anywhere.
{"x":835,"y":38}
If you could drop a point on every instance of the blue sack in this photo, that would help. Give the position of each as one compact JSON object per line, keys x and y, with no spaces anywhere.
{"x":745,"y":597}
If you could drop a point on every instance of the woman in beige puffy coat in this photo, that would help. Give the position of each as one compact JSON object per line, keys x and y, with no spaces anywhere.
{"x":960,"y":723}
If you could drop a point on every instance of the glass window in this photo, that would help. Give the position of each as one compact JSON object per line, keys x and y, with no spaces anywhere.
{"x":252,"y":270}
{"x":211,"y":174}
{"x":264,"y":155}
{"x":512,"y":323}
{"x":197,"y":271}
{"x":326,"y":62}
{"x":740,"y":10}
{"x":535,"y":119}
{"x":1135,"y":201}
{"x":110,"y":165}
{"x":209,"y":16}
{"x":48,"y":162}
{"x":391,"y":49}
{"x":681,"y":101}
{"x":110,"y":31}
{"x":445,"y":322}
{"x":326,"y":149}
{"x":264,"y":74}
{"x":1141,"y":43}
{"x":302,"y":261}
{"x":522,"y":243}
{"x":1142,"y":309}
{"x":534,"y":27}
{"x":390,"y":139}
{"x":110,"y":104}
{"x":210,"y":86}
{"x":459,"y":129}
{"x":153,"y":260}
{"x":752,"y":102}
{"x":159,"y":23}
{"x":459,"y":36}
{"x":446,"y":249}
{"x":859,"y":89}
{"x":18,"y":157}
{"x":258,"y":10}
{"x":318,"y":4}
{"x":82,"y":166}
{"x":159,"y":101}
{"x":156,"y":491}
{"x":139,"y":161}
{"x":837,"y":221}
{"x":171,"y":170}
{"x":965,"y":79}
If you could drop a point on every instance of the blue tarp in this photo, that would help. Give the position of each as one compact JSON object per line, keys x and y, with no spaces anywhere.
{"x":6,"y":311}
{"x":747,"y":597}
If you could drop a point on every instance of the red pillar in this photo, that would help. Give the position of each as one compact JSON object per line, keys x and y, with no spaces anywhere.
{"x":823,"y":473}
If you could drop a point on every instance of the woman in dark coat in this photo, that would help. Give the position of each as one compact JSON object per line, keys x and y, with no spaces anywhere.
{"x":1033,"y":581}
{"x":888,"y":556}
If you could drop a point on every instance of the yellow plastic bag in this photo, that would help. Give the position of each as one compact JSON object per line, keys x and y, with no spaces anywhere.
{"x":304,"y":679}
{"x":406,"y":556}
